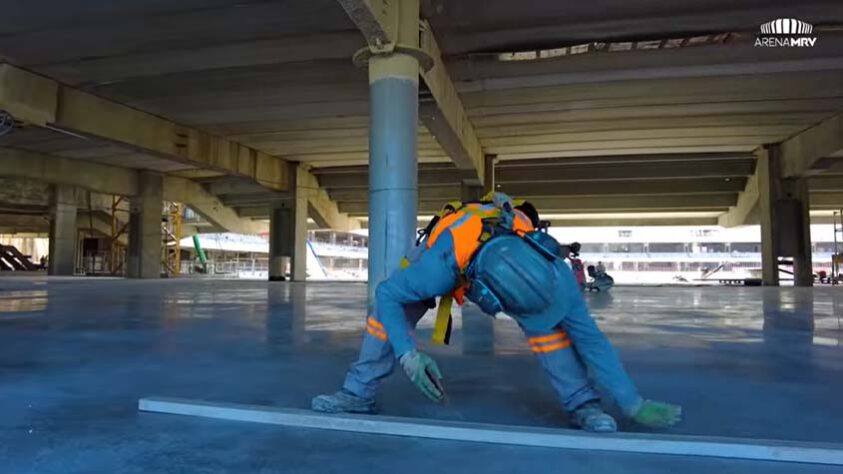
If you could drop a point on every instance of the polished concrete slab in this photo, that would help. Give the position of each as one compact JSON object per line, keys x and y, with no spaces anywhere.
{"x":76,"y":354}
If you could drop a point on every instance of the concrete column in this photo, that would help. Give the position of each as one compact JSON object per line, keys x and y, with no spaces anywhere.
{"x":798,"y":235}
{"x":489,"y":173}
{"x":62,"y":231}
{"x":393,"y":167}
{"x":145,"y":212}
{"x":470,"y":192}
{"x":288,"y":239}
{"x":280,"y":236}
{"x":785,"y":220}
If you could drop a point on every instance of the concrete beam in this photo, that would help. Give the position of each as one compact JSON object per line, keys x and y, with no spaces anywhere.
{"x":746,"y":211}
{"x":262,"y":211}
{"x":801,"y":154}
{"x":99,"y":223}
{"x":613,"y":221}
{"x":321,"y":207}
{"x":827,"y":200}
{"x":377,"y":20}
{"x":228,"y":185}
{"x":825,"y":183}
{"x":107,"y":179}
{"x":17,"y":224}
{"x":44,"y":102}
{"x":443,"y":112}
{"x":725,"y":168}
{"x":55,"y":170}
{"x":679,"y":186}
{"x":632,"y":222}
{"x":358,"y":177}
{"x":252,"y":199}
{"x":630,"y":67}
{"x":603,"y":168}
{"x":209,"y":206}
{"x":661,"y":187}
{"x":586,"y":204}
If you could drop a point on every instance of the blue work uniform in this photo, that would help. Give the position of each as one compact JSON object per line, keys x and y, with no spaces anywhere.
{"x":564,"y":338}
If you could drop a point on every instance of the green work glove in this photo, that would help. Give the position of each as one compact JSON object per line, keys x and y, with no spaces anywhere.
{"x":424,"y":374}
{"x":657,"y":414}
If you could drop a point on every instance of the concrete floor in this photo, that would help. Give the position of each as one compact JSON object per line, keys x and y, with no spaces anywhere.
{"x":76,"y":354}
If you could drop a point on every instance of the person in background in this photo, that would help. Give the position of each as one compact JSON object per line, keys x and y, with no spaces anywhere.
{"x":600,"y":280}
{"x":571,"y":254}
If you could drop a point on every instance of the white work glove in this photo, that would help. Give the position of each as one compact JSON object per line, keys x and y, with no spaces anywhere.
{"x":424,"y":373}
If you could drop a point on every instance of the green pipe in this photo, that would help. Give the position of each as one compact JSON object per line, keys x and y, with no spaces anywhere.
{"x":199,"y":252}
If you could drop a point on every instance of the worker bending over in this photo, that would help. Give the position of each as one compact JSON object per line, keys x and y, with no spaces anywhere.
{"x":491,"y":253}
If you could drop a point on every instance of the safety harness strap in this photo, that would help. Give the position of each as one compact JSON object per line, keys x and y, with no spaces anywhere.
{"x":442,"y":326}
{"x":489,"y":212}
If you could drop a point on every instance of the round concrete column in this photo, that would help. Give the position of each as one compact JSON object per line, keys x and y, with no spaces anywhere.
{"x":393,"y":167}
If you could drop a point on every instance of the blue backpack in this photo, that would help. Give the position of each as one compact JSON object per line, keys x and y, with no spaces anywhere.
{"x":516,"y":275}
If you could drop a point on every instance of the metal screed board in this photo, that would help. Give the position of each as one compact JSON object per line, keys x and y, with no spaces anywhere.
{"x":735,"y":448}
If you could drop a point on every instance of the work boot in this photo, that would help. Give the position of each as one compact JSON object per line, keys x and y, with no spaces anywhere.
{"x":343,"y":402}
{"x":590,"y":417}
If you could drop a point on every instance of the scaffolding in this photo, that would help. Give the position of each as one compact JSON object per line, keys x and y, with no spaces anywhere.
{"x":171,"y":235}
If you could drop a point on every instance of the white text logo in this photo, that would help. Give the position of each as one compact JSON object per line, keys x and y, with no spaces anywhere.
{"x":786,"y":32}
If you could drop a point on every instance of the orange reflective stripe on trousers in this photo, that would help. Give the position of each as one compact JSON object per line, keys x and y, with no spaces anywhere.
{"x":550,"y":342}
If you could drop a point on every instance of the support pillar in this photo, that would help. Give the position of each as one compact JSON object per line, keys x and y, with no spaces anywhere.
{"x":287,"y":244}
{"x":393,"y":167}
{"x":63,"y":235}
{"x":489,"y":162}
{"x":278,"y":217}
{"x":145,"y":211}
{"x":470,"y":192}
{"x":785,"y":220}
{"x":288,"y":236}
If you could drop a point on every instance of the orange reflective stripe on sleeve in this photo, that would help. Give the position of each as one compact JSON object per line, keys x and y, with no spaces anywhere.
{"x":375,"y":328}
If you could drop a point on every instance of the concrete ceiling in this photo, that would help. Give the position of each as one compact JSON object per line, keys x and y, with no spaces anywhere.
{"x":64,"y":145}
{"x":582,"y":185}
{"x":471,"y":26}
{"x":278,"y":76}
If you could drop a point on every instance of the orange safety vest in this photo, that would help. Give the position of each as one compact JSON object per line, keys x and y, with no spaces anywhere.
{"x":465,"y":224}
{"x":466,"y":228}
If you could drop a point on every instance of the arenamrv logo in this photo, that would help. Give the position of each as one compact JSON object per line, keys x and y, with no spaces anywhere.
{"x":786,"y":32}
